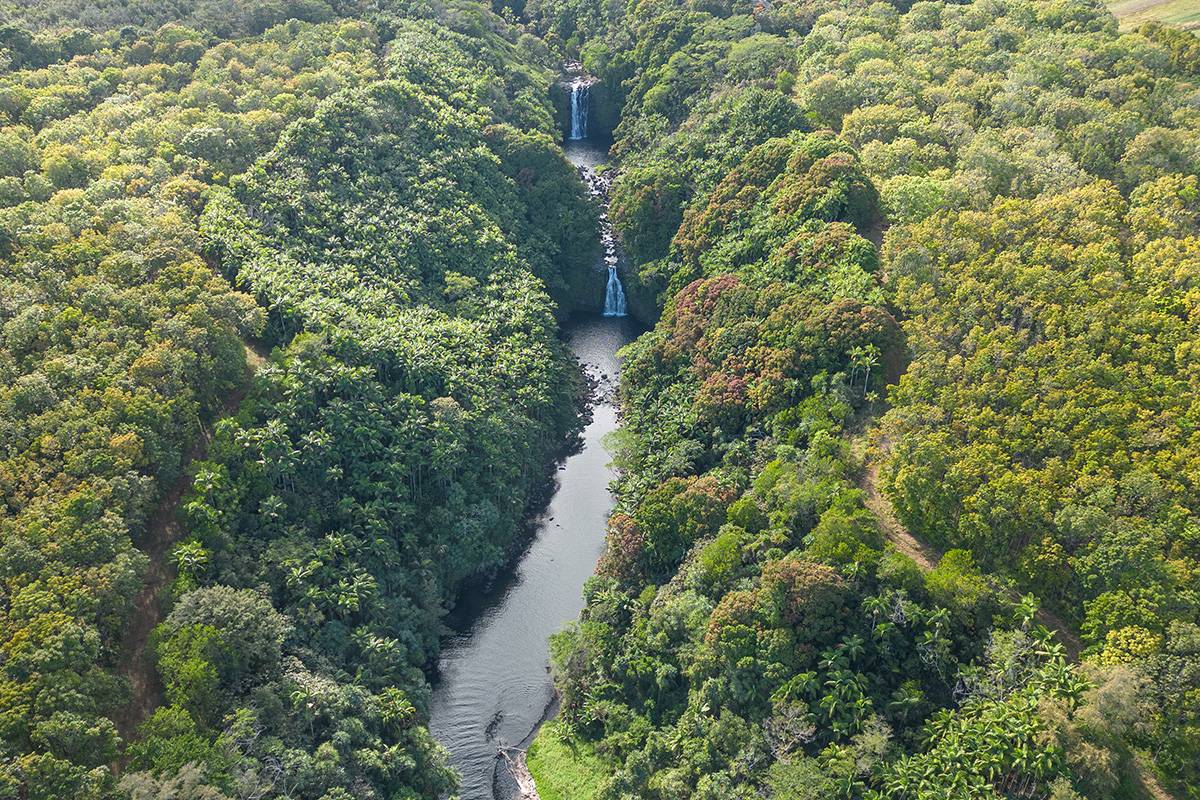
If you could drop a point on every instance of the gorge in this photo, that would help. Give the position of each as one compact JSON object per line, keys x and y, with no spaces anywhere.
{"x":493,"y":686}
{"x":300,"y":302}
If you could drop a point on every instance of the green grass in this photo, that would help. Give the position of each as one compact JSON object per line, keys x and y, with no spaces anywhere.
{"x":564,"y":768}
{"x":1182,"y":13}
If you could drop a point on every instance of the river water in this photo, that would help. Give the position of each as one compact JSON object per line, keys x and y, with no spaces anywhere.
{"x":493,"y":685}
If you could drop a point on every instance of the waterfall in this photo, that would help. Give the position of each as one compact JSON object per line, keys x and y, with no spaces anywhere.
{"x":614,"y":295}
{"x":598,"y":182}
{"x":614,"y":292}
{"x":579,"y":109}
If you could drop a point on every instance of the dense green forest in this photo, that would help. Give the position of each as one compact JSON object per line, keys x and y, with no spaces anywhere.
{"x":366,"y":198}
{"x":281,"y":286}
{"x":1018,"y":351}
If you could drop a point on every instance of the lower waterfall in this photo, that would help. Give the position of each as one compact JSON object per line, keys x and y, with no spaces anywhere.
{"x":614,"y":295}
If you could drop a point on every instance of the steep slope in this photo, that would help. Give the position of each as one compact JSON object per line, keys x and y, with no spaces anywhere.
{"x":123,"y":369}
{"x":1039,"y":231}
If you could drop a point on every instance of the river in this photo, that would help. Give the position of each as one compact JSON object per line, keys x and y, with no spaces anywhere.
{"x":493,"y":685}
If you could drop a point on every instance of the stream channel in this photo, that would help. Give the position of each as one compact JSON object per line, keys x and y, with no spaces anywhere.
{"x":493,"y":685}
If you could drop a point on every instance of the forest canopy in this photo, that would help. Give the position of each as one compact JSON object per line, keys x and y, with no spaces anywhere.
{"x":170,"y":221}
{"x":906,"y":502}
{"x":960,"y":238}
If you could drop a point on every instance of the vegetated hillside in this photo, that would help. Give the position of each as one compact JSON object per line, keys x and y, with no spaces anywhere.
{"x":389,"y":452}
{"x":385,"y":223}
{"x":223,"y":18}
{"x":991,"y":206}
{"x":119,"y":343}
{"x":1031,"y":176}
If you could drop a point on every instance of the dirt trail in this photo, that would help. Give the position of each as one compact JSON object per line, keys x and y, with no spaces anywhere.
{"x":161,"y":533}
{"x":926,"y":556}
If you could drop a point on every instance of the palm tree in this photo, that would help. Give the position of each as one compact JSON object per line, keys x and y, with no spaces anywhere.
{"x":863,"y":358}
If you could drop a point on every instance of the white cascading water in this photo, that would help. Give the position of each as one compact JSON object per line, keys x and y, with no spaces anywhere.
{"x":614,"y":295}
{"x":598,"y":184}
{"x":579,"y":109}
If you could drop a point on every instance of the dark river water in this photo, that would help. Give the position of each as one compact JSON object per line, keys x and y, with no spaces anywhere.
{"x":493,"y":684}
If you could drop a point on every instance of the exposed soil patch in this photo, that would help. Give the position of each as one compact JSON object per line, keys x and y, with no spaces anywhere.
{"x":162,"y":532}
{"x":926,"y":555}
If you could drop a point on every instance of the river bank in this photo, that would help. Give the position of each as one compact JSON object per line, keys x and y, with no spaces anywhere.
{"x":494,"y":686}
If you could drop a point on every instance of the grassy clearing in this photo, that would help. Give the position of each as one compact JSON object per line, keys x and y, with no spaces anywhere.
{"x":564,"y":768}
{"x":1182,"y":13}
